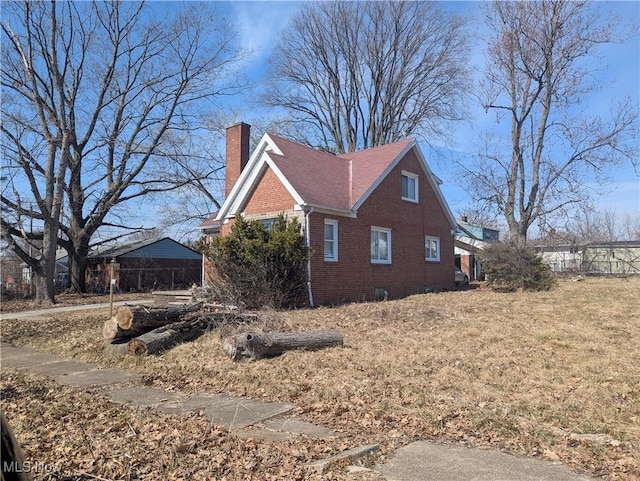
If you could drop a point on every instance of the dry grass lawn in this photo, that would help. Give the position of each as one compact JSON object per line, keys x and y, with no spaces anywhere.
{"x":525,"y":373}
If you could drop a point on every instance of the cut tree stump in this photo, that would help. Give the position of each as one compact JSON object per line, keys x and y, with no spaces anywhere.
{"x":131,"y":321}
{"x":117,"y":348}
{"x":253,"y":346}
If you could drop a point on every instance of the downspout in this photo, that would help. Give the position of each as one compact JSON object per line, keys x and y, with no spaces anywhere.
{"x":202,"y":270}
{"x":307,"y":236}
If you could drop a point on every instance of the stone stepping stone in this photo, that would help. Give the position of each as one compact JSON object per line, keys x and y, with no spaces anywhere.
{"x":425,"y":461}
{"x":97,"y":378}
{"x":232,"y":412}
{"x":24,"y":357}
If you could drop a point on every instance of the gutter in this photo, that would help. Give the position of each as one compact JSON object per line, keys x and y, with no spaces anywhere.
{"x":307,"y":237}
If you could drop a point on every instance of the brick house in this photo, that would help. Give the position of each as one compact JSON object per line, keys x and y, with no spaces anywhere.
{"x":469,"y":240}
{"x":375,"y":219}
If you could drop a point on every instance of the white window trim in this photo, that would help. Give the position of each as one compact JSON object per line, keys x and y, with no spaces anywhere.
{"x":388,"y":232}
{"x":333,"y":258}
{"x":411,"y":175}
{"x":435,"y":239}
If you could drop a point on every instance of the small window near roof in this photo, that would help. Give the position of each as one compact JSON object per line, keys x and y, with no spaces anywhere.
{"x":331,"y":240}
{"x":409,"y":186}
{"x":380,"y":245}
{"x":432,"y":249}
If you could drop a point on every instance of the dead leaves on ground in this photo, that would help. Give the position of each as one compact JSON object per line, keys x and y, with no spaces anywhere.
{"x":80,"y":435}
{"x":521,"y":372}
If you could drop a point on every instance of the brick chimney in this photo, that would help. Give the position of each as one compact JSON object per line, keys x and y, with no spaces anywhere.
{"x":237,"y":154}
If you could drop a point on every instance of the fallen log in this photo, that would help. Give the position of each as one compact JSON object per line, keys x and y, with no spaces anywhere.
{"x":131,"y":321}
{"x":253,"y":346}
{"x":165,"y":337}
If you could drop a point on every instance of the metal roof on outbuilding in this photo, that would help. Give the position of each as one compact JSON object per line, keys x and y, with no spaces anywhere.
{"x":165,"y":248}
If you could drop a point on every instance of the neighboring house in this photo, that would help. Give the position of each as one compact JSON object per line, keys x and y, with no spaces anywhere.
{"x":621,"y":257}
{"x":375,"y":220}
{"x":469,"y":239}
{"x":61,"y":273}
{"x":562,"y":257}
{"x":144,"y":265}
{"x":11,"y":271}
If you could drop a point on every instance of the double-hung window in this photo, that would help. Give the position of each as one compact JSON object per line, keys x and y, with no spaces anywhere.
{"x":268,"y":224}
{"x":432,"y":249}
{"x":409,"y":186}
{"x":380,"y":245}
{"x":331,"y":240}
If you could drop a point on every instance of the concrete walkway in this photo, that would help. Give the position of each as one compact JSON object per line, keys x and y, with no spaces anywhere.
{"x":245,"y":417}
{"x":424,"y":461}
{"x":57,"y":310}
{"x":235,"y":413}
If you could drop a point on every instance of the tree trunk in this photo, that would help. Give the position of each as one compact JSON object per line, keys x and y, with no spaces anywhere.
{"x":14,"y":467}
{"x":255,"y":346}
{"x":131,"y":321}
{"x":44,"y":288}
{"x":166,"y":337}
{"x":78,"y":268}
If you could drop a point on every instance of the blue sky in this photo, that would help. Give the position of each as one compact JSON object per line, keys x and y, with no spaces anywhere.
{"x":259,"y":24}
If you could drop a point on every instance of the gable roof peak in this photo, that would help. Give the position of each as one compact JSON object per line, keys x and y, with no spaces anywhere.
{"x":317,"y":178}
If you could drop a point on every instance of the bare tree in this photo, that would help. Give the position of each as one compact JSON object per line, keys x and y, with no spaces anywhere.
{"x":352,"y":75}
{"x":630,"y":227}
{"x":590,"y":224}
{"x":539,"y":77}
{"x":101,"y":103}
{"x":197,"y":199}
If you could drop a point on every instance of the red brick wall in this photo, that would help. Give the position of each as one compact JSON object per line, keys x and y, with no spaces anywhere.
{"x":237,"y":153}
{"x":465,"y":265}
{"x":270,"y":196}
{"x":354,"y":277}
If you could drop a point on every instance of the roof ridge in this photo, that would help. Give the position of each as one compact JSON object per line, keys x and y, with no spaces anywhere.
{"x":277,"y":138}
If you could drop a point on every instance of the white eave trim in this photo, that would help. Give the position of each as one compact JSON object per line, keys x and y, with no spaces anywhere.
{"x":248,"y":177}
{"x":325,"y":209}
{"x":281,"y":177}
{"x":435,"y":182}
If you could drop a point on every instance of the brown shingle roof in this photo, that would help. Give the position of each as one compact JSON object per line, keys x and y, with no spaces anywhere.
{"x":370,"y":164}
{"x":337,"y":181}
{"x":322,"y":180}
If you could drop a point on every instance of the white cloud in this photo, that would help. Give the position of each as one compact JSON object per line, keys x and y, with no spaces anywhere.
{"x":260,"y":23}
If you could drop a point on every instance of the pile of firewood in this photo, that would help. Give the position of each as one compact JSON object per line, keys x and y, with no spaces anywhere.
{"x":141,"y":330}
